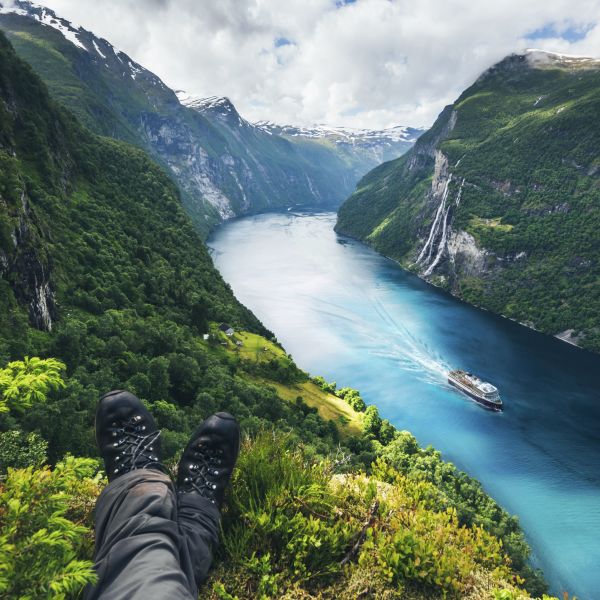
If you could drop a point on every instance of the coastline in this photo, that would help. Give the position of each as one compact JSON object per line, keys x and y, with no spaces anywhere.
{"x":557,"y":336}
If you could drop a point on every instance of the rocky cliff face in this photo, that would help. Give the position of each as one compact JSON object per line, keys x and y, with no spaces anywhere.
{"x":91,"y":230}
{"x":26,"y":266}
{"x":498,"y":202}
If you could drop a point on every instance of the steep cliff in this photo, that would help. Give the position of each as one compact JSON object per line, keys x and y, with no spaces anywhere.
{"x":499,"y":203}
{"x":88,"y":225}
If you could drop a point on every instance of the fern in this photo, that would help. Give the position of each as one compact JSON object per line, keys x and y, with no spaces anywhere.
{"x":29,"y":381}
{"x":45,"y":538}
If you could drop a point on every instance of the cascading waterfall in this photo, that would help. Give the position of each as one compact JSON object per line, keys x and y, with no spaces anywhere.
{"x":436,"y":223}
{"x":444,"y":213}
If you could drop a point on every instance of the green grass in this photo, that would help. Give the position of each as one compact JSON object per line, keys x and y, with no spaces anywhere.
{"x":479,"y":223}
{"x":329,"y":407}
{"x":257,"y":349}
{"x":254,"y":347}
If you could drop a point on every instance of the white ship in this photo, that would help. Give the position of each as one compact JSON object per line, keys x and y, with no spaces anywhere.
{"x":482,"y":392}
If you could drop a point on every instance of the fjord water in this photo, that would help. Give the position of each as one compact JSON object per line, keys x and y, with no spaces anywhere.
{"x":353,"y":316}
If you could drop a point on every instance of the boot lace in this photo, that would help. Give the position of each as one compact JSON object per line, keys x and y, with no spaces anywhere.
{"x":136,"y":447}
{"x":202,"y":471}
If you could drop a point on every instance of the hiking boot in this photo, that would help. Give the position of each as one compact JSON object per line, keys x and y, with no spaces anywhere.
{"x":126,"y":434}
{"x":209,"y":458}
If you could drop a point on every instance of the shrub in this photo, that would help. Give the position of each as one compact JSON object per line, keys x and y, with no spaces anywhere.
{"x":19,"y":450}
{"x":45,"y":535}
{"x":294,"y":529}
{"x":23,"y":383}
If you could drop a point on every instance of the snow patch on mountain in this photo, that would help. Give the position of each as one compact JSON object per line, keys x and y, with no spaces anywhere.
{"x":98,"y":49}
{"x":135,"y":70}
{"x":537,"y":57}
{"x":345,"y":135}
{"x":68,"y":31}
{"x":46,"y":17}
{"x":8,"y":7}
{"x":200,"y":104}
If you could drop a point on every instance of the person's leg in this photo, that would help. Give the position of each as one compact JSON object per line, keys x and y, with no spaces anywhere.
{"x":204,"y":473}
{"x":151,"y":543}
{"x":199,"y":521}
{"x":138,"y":540}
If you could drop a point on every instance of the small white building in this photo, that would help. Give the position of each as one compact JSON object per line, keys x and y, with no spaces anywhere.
{"x":226,"y":329}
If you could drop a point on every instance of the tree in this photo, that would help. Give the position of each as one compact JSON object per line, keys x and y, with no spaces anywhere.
{"x":43,"y":542}
{"x":372,"y":421}
{"x":158,"y":373}
{"x":23,"y":383}
{"x":387,"y":432}
{"x":352,"y":397}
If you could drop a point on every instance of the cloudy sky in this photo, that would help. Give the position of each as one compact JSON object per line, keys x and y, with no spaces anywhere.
{"x":361,"y":63}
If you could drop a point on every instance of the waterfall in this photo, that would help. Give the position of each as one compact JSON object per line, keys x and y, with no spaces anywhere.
{"x":435,"y":225}
{"x":442,"y":244}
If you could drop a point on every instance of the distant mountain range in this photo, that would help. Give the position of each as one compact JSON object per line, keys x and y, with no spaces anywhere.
{"x":380,"y":145}
{"x":499,"y":202}
{"x":223,"y":165}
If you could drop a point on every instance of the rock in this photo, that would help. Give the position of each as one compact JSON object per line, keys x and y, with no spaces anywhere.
{"x":465,"y":256}
{"x":569,"y":336}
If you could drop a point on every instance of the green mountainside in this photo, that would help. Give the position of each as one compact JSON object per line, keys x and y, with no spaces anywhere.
{"x":223,"y":165}
{"x":104,"y":283}
{"x":499,"y":202}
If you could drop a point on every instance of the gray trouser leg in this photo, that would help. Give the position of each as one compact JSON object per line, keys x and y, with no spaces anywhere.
{"x":142,"y":551}
{"x":199,"y":521}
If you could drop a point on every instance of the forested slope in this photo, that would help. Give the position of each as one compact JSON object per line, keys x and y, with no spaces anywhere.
{"x":499,"y":202}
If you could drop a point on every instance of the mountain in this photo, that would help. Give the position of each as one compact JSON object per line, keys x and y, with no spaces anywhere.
{"x":363,"y":145}
{"x":499,"y":202}
{"x":335,"y":156}
{"x":101,"y":268}
{"x":223,"y":165}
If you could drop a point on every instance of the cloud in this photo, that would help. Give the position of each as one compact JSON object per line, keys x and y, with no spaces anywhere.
{"x":363,"y":63}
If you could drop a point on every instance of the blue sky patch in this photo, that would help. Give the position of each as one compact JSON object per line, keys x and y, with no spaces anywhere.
{"x":281,"y":41}
{"x":573,"y":33}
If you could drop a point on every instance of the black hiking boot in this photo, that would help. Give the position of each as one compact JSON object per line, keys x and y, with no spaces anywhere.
{"x":208,"y":460}
{"x":126,"y":434}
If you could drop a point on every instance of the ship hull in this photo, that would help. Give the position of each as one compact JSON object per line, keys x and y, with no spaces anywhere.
{"x":481,"y":401}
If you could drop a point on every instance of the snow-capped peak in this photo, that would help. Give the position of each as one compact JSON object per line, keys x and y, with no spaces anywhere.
{"x":222,"y":103}
{"x":346,"y":135}
{"x":535,"y":56}
{"x":219,"y":107}
{"x":99,"y":49}
{"x":46,"y":17}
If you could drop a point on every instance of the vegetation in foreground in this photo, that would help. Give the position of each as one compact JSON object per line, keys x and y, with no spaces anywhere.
{"x":377,"y":516}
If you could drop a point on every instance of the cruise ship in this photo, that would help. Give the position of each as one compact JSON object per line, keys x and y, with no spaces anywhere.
{"x":482,"y":392}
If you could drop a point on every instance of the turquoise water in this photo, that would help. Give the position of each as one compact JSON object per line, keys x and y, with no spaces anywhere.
{"x":351,"y":315}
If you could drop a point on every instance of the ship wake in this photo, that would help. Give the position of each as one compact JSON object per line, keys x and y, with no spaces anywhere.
{"x":409,"y":352}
